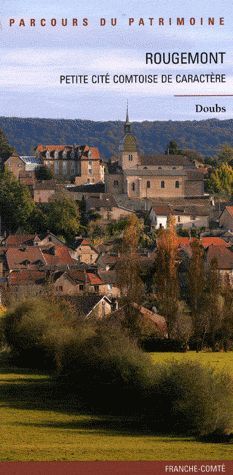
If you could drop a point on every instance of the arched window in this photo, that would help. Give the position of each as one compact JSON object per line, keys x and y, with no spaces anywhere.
{"x":177,"y":185}
{"x":162,"y":184}
{"x":133,"y":186}
{"x":148,"y":184}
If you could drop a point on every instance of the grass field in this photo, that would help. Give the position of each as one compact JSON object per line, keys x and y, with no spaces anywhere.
{"x":37,"y":425}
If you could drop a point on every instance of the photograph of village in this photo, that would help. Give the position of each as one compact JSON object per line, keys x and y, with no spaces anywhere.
{"x":116,"y":280}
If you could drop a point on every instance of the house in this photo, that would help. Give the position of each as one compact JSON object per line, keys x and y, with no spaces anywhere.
{"x":27,"y":281}
{"x":96,"y":307}
{"x":158,"y":216}
{"x":110,"y":287}
{"x":107,"y":208}
{"x":226,"y":218}
{"x":80,"y":163}
{"x":24,"y":257}
{"x":84,"y":251}
{"x":191,"y":216}
{"x":15,"y":240}
{"x":224,"y":257}
{"x":78,"y":281}
{"x":20,"y":165}
{"x":185,"y":216}
{"x":57,"y":256}
{"x":43,"y":191}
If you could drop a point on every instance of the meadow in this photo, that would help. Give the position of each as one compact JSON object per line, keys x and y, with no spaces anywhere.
{"x":37,"y":423}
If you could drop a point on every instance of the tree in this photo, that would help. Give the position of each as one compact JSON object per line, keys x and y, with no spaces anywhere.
{"x":43,"y":173}
{"x":63,"y":216}
{"x":128,"y":268}
{"x":16,"y":204}
{"x":166,"y":277}
{"x":172,"y":148}
{"x":225,"y":154}
{"x":221,"y":180}
{"x":214,"y":303}
{"x":5,"y":149}
{"x":196,"y":292}
{"x":227,"y":312}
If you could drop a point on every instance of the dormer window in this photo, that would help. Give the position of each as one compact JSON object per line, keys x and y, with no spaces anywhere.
{"x":64,"y":153}
{"x":89,"y":154}
{"x":56,"y":154}
{"x":48,"y":154}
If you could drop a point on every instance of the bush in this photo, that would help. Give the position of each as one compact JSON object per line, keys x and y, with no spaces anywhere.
{"x":33,"y":329}
{"x":189,"y":398}
{"x":107,"y":369}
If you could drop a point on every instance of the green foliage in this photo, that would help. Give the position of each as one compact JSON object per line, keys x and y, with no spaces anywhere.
{"x":107,"y":369}
{"x":203,"y":136}
{"x":5,"y":149}
{"x":61,"y":216}
{"x":172,"y":148}
{"x":34,"y":329}
{"x":191,"y":399}
{"x":221,"y":180}
{"x":43,"y":173}
{"x":16,"y":204}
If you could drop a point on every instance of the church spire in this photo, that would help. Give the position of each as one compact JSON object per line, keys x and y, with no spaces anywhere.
{"x":127,"y":126}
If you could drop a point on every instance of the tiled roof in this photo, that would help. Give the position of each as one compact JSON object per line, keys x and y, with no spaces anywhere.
{"x":157,"y":319}
{"x":166,"y":160}
{"x":22,"y":257}
{"x":18,"y":239}
{"x":94,"y":279}
{"x":204,"y":241}
{"x":163,"y":210}
{"x":57,"y":255}
{"x":223,"y":255}
{"x":27,"y":277}
{"x":105,"y":201}
{"x":230,"y":210}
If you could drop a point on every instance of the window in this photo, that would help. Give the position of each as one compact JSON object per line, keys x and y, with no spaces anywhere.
{"x":115,"y":183}
{"x":178,"y":219}
{"x":177,"y":184}
{"x":96,"y":288}
{"x":109,"y":286}
{"x":64,"y":168}
{"x":89,"y":171}
{"x":174,"y":168}
{"x":160,"y":168}
{"x":130,"y":158}
{"x":133,"y":186}
{"x":148,"y":184}
{"x":193,"y":218}
{"x":56,"y":168}
{"x":81,"y":287}
{"x":59,"y":288}
{"x":162,"y":184}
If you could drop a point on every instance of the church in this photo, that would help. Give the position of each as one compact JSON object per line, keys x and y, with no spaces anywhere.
{"x":140,"y":176}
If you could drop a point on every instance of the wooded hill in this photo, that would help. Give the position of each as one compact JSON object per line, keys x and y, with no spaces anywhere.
{"x":204,"y":136}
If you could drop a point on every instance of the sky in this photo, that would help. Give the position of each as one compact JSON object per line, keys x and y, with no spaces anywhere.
{"x":33,"y":59}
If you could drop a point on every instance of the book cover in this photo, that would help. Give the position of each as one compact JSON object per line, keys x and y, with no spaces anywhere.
{"x":127,"y":108}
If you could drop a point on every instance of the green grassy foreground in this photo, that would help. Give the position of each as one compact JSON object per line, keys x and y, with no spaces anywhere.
{"x":36,"y":425}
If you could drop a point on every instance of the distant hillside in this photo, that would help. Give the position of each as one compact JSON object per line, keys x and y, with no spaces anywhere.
{"x":204,"y":136}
